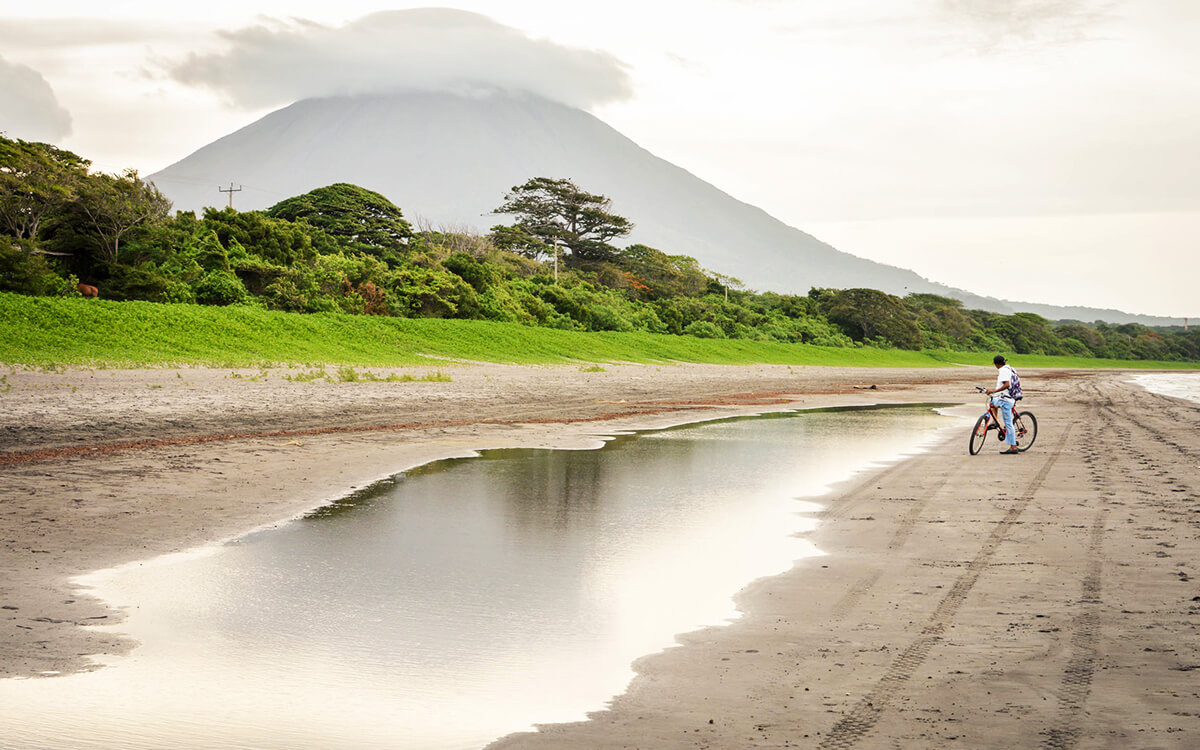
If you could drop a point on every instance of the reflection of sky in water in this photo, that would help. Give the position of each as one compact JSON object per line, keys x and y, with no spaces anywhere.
{"x":1177,"y":384}
{"x":466,"y":600}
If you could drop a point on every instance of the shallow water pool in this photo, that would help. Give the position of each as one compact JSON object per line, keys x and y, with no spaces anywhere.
{"x":462,"y":601}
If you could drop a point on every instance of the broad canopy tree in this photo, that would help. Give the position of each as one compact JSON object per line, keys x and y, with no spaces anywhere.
{"x":35,"y":179}
{"x":559,"y":213}
{"x":869,"y":314}
{"x":115,"y":205}
{"x":363,"y":218}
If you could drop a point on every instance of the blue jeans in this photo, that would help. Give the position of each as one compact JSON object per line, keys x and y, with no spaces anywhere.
{"x":1006,"y":410}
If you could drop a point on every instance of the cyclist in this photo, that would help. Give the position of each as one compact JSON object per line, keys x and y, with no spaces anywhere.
{"x":1003,"y":400}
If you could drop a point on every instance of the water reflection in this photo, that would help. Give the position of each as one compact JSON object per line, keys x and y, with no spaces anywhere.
{"x":462,"y":601}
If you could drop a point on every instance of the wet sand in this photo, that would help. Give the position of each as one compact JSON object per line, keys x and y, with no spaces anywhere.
{"x":1045,"y":600}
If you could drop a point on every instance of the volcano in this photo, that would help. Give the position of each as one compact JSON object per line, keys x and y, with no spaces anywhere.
{"x":447,"y":160}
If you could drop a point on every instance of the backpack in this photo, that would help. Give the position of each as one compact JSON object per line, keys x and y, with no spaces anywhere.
{"x":1014,"y":387}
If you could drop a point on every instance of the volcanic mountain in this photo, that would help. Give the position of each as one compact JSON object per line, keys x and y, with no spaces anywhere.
{"x":448,"y":160}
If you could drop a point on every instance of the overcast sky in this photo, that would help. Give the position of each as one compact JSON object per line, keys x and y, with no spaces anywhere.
{"x":1039,"y":150}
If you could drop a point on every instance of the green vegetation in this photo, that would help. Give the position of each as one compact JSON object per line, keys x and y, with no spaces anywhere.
{"x":1050,"y":360}
{"x":213,"y":288}
{"x":49,"y":332}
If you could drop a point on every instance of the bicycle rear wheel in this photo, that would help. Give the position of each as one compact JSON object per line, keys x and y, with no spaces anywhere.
{"x":1025,"y":425}
{"x":979,"y":434}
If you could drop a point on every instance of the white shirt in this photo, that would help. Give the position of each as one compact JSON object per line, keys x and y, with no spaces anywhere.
{"x":1003,"y":375}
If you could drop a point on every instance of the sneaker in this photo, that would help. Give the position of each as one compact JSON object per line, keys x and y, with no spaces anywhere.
{"x":1010,"y":452}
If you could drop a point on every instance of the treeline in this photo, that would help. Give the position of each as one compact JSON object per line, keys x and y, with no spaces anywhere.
{"x":65,"y":230}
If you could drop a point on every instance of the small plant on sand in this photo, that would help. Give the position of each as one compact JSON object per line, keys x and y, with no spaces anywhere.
{"x":593,"y":368}
{"x":307,"y":376}
{"x":5,"y":386}
{"x":347,"y":374}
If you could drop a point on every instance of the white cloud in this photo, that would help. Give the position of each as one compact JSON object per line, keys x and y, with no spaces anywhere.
{"x":424,"y":50}
{"x":28,"y":108}
{"x":66,"y":33}
{"x":1004,"y":24}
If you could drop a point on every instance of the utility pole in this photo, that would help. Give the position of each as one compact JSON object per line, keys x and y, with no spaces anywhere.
{"x":231,"y":190}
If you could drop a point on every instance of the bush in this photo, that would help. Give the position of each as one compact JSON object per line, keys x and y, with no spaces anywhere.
{"x":284,"y":294}
{"x":425,"y":293}
{"x":145,"y":281}
{"x":481,"y":276}
{"x":27,"y":272}
{"x":703,"y":329}
{"x":220,"y":288}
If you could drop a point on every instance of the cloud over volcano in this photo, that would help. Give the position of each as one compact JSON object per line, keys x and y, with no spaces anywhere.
{"x":430,"y":49}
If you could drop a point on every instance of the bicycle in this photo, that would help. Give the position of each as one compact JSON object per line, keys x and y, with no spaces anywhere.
{"x":1024,"y":424}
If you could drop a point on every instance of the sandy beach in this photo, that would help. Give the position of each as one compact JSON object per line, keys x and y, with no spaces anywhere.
{"x":1043,"y":600}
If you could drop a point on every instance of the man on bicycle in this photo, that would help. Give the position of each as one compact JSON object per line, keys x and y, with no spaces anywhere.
{"x":1002,"y":399}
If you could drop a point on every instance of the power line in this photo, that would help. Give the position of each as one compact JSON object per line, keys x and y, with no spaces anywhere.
{"x":231,"y":190}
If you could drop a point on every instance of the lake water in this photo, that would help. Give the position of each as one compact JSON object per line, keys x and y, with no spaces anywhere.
{"x":1178,"y":384}
{"x":462,"y":601}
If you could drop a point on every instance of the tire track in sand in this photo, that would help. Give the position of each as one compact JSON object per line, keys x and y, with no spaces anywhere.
{"x":859,"y":722}
{"x":1077,"y":677}
{"x":908,"y":522}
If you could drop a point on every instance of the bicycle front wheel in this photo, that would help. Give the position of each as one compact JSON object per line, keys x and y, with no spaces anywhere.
{"x":1025,"y":425}
{"x":979,"y":434}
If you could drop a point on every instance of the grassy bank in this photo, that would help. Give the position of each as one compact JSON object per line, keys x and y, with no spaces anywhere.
{"x":45,"y":331}
{"x":1079,"y":363}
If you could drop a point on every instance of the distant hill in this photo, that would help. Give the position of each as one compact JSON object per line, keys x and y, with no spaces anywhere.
{"x":1092,"y":314}
{"x":448,"y":160}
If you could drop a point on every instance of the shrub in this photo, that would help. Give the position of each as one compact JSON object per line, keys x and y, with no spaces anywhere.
{"x":28,"y":272}
{"x":703,"y":329}
{"x":220,"y":288}
{"x":145,"y":281}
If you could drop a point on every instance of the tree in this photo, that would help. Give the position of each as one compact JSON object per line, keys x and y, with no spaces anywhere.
{"x":662,"y":275}
{"x":362,"y":218}
{"x":276,"y":240}
{"x":558,"y":212}
{"x":1027,"y":333}
{"x":115,"y":205}
{"x":35,"y":178}
{"x":866,"y":314}
{"x":518,"y":240}
{"x":941,"y":318}
{"x":725,"y":282}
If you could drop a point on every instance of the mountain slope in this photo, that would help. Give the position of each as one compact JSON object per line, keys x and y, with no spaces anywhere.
{"x":448,"y":160}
